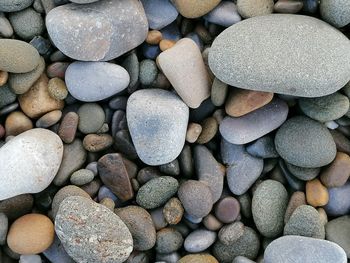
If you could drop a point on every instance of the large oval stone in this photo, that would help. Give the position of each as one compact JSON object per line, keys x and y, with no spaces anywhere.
{"x":94,"y":81}
{"x":98,"y":31}
{"x":29,"y":162}
{"x":157,"y":121}
{"x":282,"y":53}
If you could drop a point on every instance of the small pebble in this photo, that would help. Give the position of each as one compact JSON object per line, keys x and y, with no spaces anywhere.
{"x":227,"y":209}
{"x":49,"y":119}
{"x":316,"y":193}
{"x":16,"y":123}
{"x":154,"y":37}
{"x":173,"y":211}
{"x":199,"y":240}
{"x":168,"y":240}
{"x":91,"y":118}
{"x":57,"y":89}
{"x":81,"y":177}
{"x":230,"y":233}
{"x":193,"y":132}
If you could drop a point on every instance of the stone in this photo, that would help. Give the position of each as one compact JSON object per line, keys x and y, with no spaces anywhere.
{"x":17,"y":56}
{"x":81,"y":177}
{"x":338,"y":204}
{"x":3,"y":77}
{"x":195,"y":8}
{"x":30,"y":259}
{"x":49,"y":119}
{"x":305,"y":221}
{"x":31,"y":234}
{"x":165,"y":44}
{"x":27,"y":23}
{"x":227,"y":209}
{"x":184,"y":67}
{"x":123,"y":143}
{"x":108,"y":241}
{"x":95,"y":81}
{"x":288,"y":7}
{"x":16,"y":123}
{"x":327,"y":108}
{"x":121,"y":26}
{"x":224,"y":14}
{"x":316,"y":193}
{"x":263,"y":147}
{"x":159,"y":13}
{"x":4,"y":224}
{"x":209,"y":129}
{"x":148,"y":72}
{"x":172,"y":168}
{"x":284,"y":249}
{"x":56,"y":253}
{"x":21,"y":82}
{"x":57,"y":69}
{"x":194,"y":258}
{"x":37,"y":101}
{"x":158,"y":218}
{"x":148,"y":109}
{"x":253,"y":8}
{"x":140,"y":225}
{"x":269,"y":205}
{"x":6,"y":29}
{"x":114,"y":173}
{"x":38,"y":156}
{"x":91,"y":118}
{"x":230,"y":233}
{"x":241,"y":102}
{"x":154,"y":37}
{"x":16,"y":5}
{"x":6,"y":96}
{"x":245,"y":62}
{"x":335,"y":12}
{"x":168,"y":240}
{"x":337,"y":231}
{"x":342,"y":143}
{"x":193,"y":132}
{"x":57,"y":89}
{"x":297,"y":199}
{"x":302,"y":173}
{"x":212,"y":223}
{"x":199,"y":240}
{"x":304,"y":142}
{"x":242,"y":168}
{"x":218,"y":92}
{"x":157,"y":192}
{"x":132,"y":66}
{"x":173,"y":211}
{"x":97,"y":142}
{"x":68,"y":127}
{"x":338,"y":172}
{"x":241,"y":259}
{"x":196,"y":198}
{"x":252,"y":126}
{"x":17,"y":206}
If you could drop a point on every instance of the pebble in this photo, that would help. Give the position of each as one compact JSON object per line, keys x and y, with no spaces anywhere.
{"x":17,"y":206}
{"x":241,"y":102}
{"x":224,"y":14}
{"x":95,"y":81}
{"x":194,"y":258}
{"x":6,"y":96}
{"x":68,"y":127}
{"x":123,"y":143}
{"x":337,"y":231}
{"x":158,"y":218}
{"x":284,"y":249}
{"x":342,"y":143}
{"x":212,"y":223}
{"x":38,"y":156}
{"x":227,"y":209}
{"x":91,"y":118}
{"x":263,"y":147}
{"x":148,"y":173}
{"x":316,"y":193}
{"x":254,"y":125}
{"x":338,"y":204}
{"x":157,"y":192}
{"x":304,"y":142}
{"x":49,"y":119}
{"x":193,"y":132}
{"x":97,"y":142}
{"x":305,"y":221}
{"x":75,"y":225}
{"x":17,"y":56}
{"x":81,"y":177}
{"x":325,"y":108}
{"x":253,"y":8}
{"x":57,"y":89}
{"x":122,"y":26}
{"x":288,"y":7}
{"x":239,"y":177}
{"x":230,"y":233}
{"x":37,"y":101}
{"x":219,"y":92}
{"x":21,"y":82}
{"x":31,"y":234}
{"x":6,"y":29}
{"x":338,"y":172}
{"x":195,"y":8}
{"x":30,"y":259}
{"x":241,"y":259}
{"x":20,"y":21}
{"x":302,"y":173}
{"x":4,"y":224}
{"x":168,"y":240}
{"x":159,"y":13}
{"x":3,"y":77}
{"x":140,"y":225}
{"x":209,"y":129}
{"x":184,"y":67}
{"x":150,"y":108}
{"x":154,"y":37}
{"x":297,"y":199}
{"x":57,"y":69}
{"x":14,"y":5}
{"x":131,"y":64}
{"x":335,"y":12}
{"x":173,"y":211}
{"x":269,"y":205}
{"x":148,"y":72}
{"x":172,"y":168}
{"x":16,"y":123}
{"x":56,"y":253}
{"x":229,"y":61}
{"x":114,"y":173}
{"x":199,"y":240}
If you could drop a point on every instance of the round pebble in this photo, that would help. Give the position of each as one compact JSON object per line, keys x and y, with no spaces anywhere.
{"x":253,"y":8}
{"x":338,"y":172}
{"x":91,"y":118}
{"x":148,"y":71}
{"x":230,"y":233}
{"x":27,"y":23}
{"x":168,"y":240}
{"x":173,"y":211}
{"x":81,"y":177}
{"x":316,"y":193}
{"x":199,"y":240}
{"x":227,"y":209}
{"x":16,"y":123}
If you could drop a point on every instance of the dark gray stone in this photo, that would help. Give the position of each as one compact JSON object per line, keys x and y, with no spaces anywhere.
{"x":6,"y":96}
{"x":263,"y":147}
{"x":168,"y":240}
{"x":14,"y":5}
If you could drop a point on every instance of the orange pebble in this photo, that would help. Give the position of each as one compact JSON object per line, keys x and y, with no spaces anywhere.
{"x":316,"y":193}
{"x":3,"y":77}
{"x":154,"y":37}
{"x":166,"y":44}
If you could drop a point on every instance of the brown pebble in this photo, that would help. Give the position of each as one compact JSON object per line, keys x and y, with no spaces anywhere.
{"x":288,"y":6}
{"x":154,"y":37}
{"x":209,"y":129}
{"x":16,"y":123}
{"x":173,"y":211}
{"x":49,"y":119}
{"x":135,"y":184}
{"x":97,"y":142}
{"x":316,"y":193}
{"x":203,"y":33}
{"x":338,"y":172}
{"x":165,"y":44}
{"x":241,"y":101}
{"x":57,"y":88}
{"x":227,"y":209}
{"x":193,"y":132}
{"x":108,"y":202}
{"x":57,"y":69}
{"x":147,"y":173}
{"x":297,"y":199}
{"x":31,"y":234}
{"x":68,"y":127}
{"x":196,"y":258}
{"x":3,"y":77}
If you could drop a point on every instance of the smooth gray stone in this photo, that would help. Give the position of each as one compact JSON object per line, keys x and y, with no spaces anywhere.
{"x":6,"y":29}
{"x":256,"y":124}
{"x":297,"y":249}
{"x":338,"y":203}
{"x":263,"y":147}
{"x":14,"y":5}
{"x":108,"y":29}
{"x":304,"y":142}
{"x":199,"y":240}
{"x":160,"y":13}
{"x":157,"y":121}
{"x":305,"y":174}
{"x":95,"y":81}
{"x":335,"y":12}
{"x":338,"y":231}
{"x":225,"y":14}
{"x":255,"y":54}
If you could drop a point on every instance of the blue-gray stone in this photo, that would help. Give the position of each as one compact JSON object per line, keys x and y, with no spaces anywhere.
{"x":338,"y":231}
{"x":6,"y":96}
{"x":160,"y":13}
{"x":336,"y":12}
{"x":338,"y":203}
{"x":14,"y":5}
{"x":171,"y":32}
{"x":225,"y":14}
{"x":199,"y":240}
{"x":263,"y":148}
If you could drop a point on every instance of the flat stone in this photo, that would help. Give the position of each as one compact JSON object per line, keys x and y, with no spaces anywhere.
{"x":199,"y":240}
{"x":288,"y":7}
{"x":108,"y":241}
{"x":95,"y":81}
{"x":256,"y":124}
{"x":338,"y":204}
{"x":38,"y":155}
{"x":304,"y":142}
{"x":97,"y":142}
{"x":245,"y":62}
{"x":303,"y":173}
{"x":184,"y":67}
{"x":253,"y":8}
{"x":335,"y":12}
{"x":14,"y":5}
{"x":195,"y":8}
{"x":157,"y":134}
{"x":91,"y":118}
{"x":6,"y":29}
{"x":224,"y":14}
{"x":159,"y":13}
{"x":109,"y":29}
{"x":263,"y":147}
{"x":337,"y":231}
{"x":297,"y":249}
{"x":338,"y":172}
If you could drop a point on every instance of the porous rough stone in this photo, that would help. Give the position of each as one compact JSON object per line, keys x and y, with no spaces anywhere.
{"x":338,"y":231}
{"x":157,"y":121}
{"x":303,"y":173}
{"x":91,"y":232}
{"x":338,"y":172}
{"x":195,"y":8}
{"x":38,"y":155}
{"x":308,"y":249}
{"x":95,"y":81}
{"x":168,"y":240}
{"x":241,"y":56}
{"x":304,"y":142}
{"x":251,"y":8}
{"x":109,"y":29}
{"x":336,"y":12}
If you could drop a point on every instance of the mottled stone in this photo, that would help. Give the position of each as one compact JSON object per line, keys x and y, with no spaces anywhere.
{"x":57,"y":89}
{"x":27,"y":23}
{"x":338,"y":172}
{"x":194,"y":258}
{"x":173,"y":211}
{"x":335,"y":12}
{"x":168,"y":240}
{"x":97,"y":142}
{"x":337,"y":231}
{"x":68,"y":127}
{"x":253,"y":8}
{"x":230,"y":233}
{"x":195,"y":8}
